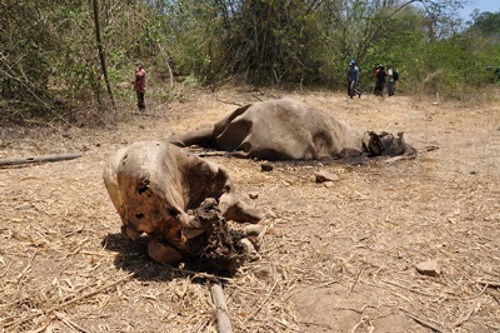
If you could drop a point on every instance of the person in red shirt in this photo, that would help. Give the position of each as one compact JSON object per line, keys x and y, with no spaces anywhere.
{"x":380,"y":75}
{"x":140,"y":86}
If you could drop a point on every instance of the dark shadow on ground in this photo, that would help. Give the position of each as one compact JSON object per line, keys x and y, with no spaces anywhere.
{"x":347,"y":160}
{"x":132,"y":256}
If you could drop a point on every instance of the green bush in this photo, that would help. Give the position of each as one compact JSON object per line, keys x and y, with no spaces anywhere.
{"x":49,"y":62}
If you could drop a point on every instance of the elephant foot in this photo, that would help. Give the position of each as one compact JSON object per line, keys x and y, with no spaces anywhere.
{"x":163,"y":252}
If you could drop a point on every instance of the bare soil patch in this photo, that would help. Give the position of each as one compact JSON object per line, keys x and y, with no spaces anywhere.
{"x":332,"y":259}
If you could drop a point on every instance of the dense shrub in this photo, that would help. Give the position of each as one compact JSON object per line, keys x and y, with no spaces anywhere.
{"x":49,"y":62}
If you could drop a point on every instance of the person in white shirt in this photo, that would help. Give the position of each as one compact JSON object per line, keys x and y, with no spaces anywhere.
{"x":392,"y":80}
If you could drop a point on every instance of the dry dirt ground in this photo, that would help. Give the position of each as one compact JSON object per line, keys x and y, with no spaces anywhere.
{"x":333,"y":259}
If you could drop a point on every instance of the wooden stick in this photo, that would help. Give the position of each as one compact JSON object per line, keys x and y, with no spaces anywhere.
{"x":355,"y":281}
{"x":72,"y":301}
{"x":95,"y":292}
{"x":421,"y":321}
{"x":202,"y":275}
{"x":39,"y":159}
{"x":264,"y":301}
{"x":223,"y":321}
{"x":491,"y":284}
{"x":466,"y":315}
{"x":213,"y":153}
{"x":227,"y":102}
{"x":70,"y":323}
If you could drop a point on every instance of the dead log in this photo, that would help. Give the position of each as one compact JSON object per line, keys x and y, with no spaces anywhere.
{"x":222,"y":314}
{"x":39,"y":159}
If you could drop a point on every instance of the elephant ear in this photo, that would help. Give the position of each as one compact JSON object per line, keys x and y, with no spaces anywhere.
{"x":204,"y":179}
{"x":395,"y":146}
{"x":401,"y":137}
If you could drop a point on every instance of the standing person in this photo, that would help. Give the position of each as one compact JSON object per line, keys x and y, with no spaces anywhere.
{"x":380,"y":75}
{"x":393,"y":76}
{"x":352,"y":79}
{"x":140,"y":86}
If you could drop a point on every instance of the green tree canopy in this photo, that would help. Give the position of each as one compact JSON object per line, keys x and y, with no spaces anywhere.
{"x":49,"y":61}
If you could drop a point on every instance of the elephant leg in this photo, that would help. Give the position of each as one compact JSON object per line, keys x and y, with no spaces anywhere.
{"x":234,"y":209}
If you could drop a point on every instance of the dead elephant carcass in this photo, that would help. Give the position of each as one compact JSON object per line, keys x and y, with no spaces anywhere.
{"x":165,"y":192}
{"x":287,"y":129}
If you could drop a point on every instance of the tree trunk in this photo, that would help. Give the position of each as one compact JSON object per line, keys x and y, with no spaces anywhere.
{"x":167,"y":63}
{"x":101,"y":51}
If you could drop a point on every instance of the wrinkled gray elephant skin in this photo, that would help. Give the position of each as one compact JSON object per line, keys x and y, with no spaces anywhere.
{"x":287,"y":129}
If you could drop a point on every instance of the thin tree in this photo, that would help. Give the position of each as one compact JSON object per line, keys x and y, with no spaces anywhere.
{"x":101,"y":50}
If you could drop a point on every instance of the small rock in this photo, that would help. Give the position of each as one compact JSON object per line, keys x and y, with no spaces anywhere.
{"x":473,"y":172}
{"x":253,"y":230}
{"x":253,"y":195}
{"x":271,"y":214}
{"x":430,"y":268}
{"x":431,"y":148}
{"x":124,"y":142}
{"x":247,"y":244}
{"x":24,"y":206}
{"x":323,"y":176}
{"x":329,"y":184}
{"x":266,"y":167}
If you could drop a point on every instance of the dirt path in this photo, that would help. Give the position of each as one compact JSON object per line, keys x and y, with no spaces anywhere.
{"x":338,"y":259}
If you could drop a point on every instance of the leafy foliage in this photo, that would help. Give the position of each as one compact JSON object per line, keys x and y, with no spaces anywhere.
{"x":49,"y":62}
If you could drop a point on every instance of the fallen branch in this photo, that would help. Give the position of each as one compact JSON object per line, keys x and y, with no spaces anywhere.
{"x":467,"y":314}
{"x":39,"y":159}
{"x":223,"y":320}
{"x":62,"y":317}
{"x":227,"y":102}
{"x":355,"y":281}
{"x":96,"y":292}
{"x":491,"y":284}
{"x":72,"y":301}
{"x":201,"y":275}
{"x":421,"y":321}
{"x":400,"y":158}
{"x":213,"y":153}
{"x":264,"y":301}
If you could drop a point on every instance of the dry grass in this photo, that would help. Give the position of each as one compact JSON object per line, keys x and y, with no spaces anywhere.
{"x":337,"y":259}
